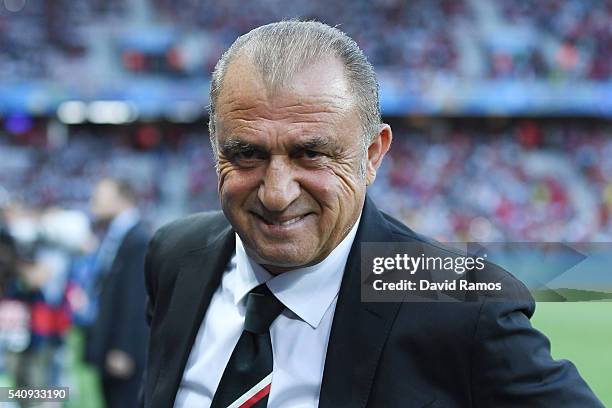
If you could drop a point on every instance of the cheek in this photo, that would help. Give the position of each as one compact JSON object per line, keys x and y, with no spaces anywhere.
{"x":235,"y":186}
{"x":329,"y":188}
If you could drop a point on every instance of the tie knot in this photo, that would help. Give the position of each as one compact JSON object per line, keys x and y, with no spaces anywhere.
{"x":262,"y":308}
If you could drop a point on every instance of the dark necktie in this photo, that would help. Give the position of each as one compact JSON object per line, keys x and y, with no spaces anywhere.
{"x":247,"y":377}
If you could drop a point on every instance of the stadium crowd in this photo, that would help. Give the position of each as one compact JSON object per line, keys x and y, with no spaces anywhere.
{"x":421,"y":27}
{"x":579,"y":29}
{"x":519,"y":40}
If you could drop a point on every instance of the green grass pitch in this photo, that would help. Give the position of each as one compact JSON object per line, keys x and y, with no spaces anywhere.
{"x":581,"y":332}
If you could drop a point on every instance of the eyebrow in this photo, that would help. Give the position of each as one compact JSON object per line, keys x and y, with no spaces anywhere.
{"x":235,"y":145}
{"x":315,"y":142}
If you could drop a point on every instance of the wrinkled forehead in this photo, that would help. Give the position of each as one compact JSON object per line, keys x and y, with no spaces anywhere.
{"x":321,"y":85}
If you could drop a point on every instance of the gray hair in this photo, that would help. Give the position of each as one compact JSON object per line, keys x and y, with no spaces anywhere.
{"x":280,"y":50}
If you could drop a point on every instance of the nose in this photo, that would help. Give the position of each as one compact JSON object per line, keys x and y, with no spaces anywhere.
{"x":278,"y":188}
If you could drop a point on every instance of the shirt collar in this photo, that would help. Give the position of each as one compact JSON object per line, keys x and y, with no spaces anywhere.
{"x":308,"y":292}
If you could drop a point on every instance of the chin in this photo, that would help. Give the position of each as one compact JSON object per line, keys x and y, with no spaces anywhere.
{"x":283,"y":258}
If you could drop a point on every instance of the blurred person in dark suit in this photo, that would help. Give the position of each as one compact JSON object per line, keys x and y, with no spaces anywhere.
{"x":259,"y":305}
{"x":8,"y":258}
{"x":116,"y":342}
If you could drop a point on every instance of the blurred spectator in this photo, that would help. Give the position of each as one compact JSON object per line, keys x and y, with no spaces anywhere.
{"x":8,"y":258}
{"x":34,"y":306}
{"x":13,"y":327}
{"x":117,"y":340}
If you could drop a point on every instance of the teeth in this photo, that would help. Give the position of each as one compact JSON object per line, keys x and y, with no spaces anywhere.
{"x":289,"y":222}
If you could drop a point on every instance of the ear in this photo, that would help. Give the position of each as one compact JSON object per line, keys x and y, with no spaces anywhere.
{"x":377,"y":150}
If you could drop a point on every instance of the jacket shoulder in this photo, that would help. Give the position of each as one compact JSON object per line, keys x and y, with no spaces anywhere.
{"x":189,"y":233}
{"x":171,"y":242}
{"x":138,"y":236}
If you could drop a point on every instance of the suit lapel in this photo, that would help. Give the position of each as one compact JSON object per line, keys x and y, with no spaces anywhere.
{"x":198,"y":277}
{"x":359,"y":329}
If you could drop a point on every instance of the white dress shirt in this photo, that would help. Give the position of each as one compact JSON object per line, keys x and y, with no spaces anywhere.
{"x":299,"y":335}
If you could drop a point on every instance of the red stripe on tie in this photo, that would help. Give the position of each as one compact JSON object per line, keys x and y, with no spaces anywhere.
{"x":255,"y":398}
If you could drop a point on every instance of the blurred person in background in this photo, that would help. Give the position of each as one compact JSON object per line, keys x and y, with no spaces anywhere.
{"x":8,"y":258}
{"x":117,"y":339}
{"x":9,"y":327}
{"x":38,"y":322}
{"x":34,"y":312}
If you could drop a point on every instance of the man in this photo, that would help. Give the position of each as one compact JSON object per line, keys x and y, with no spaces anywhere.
{"x":260,"y":305}
{"x":117,"y":340}
{"x":8,"y":257}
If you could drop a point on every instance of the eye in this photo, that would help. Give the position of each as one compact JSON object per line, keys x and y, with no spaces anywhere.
{"x":248,"y":157}
{"x":311,"y":154}
{"x":245,"y":155}
{"x":249,"y":154}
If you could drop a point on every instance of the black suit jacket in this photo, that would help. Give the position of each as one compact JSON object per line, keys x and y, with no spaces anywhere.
{"x":403,"y":354}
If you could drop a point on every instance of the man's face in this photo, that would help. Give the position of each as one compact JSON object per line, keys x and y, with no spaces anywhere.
{"x":105,"y":201}
{"x":289,"y":162}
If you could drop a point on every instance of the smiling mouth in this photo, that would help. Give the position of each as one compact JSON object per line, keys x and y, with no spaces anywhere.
{"x":281,"y":223}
